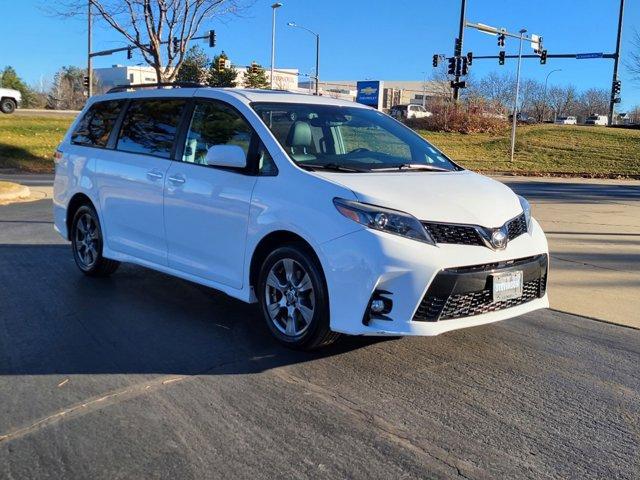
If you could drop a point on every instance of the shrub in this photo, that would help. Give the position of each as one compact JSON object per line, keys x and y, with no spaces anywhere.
{"x":473,"y":116}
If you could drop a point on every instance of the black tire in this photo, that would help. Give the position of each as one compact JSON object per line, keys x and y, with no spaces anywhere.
{"x":314,"y":333}
{"x":87,"y":249}
{"x":7,"y":105}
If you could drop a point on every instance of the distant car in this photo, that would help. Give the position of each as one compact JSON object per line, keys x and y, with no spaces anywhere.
{"x":400,"y":112}
{"x":597,"y":120}
{"x":9,"y":100}
{"x":566,"y":120}
{"x":524,"y":118}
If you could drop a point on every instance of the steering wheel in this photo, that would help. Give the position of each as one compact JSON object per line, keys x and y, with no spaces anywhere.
{"x":359,"y":150}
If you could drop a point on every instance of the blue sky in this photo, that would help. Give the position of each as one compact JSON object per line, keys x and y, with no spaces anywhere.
{"x":377,"y":39}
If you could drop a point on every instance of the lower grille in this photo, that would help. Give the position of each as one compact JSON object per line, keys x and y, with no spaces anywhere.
{"x":443,"y":302}
{"x":475,"y":303}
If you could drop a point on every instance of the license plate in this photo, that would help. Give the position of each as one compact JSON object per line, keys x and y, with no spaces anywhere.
{"x":507,"y":286}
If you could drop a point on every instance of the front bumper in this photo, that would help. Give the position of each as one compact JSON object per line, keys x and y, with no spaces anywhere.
{"x":411,"y":273}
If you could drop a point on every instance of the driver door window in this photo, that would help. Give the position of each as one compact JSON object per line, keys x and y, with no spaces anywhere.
{"x":214,"y":124}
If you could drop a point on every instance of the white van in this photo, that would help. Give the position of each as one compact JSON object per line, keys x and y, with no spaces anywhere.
{"x":597,"y":120}
{"x":333,"y":216}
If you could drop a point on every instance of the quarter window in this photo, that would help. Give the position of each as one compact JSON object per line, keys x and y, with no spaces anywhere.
{"x":215,"y":124}
{"x":95,"y":127}
{"x":150,"y":126}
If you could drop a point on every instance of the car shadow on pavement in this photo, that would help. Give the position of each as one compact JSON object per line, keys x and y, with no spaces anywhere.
{"x":54,"y":320}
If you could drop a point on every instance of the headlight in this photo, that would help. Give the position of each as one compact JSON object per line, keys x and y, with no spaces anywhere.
{"x":526,"y":208}
{"x":378,"y":218}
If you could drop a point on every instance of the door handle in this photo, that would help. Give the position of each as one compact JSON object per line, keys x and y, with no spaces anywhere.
{"x":177,"y":179}
{"x":154,"y":175}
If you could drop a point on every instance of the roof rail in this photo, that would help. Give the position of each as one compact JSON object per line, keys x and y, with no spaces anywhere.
{"x":137,"y":86}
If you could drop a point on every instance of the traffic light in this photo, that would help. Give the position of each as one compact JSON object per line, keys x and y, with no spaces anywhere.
{"x":436,"y":59}
{"x":501,"y":57}
{"x":465,"y":65}
{"x":129,"y":53}
{"x":452,"y":66}
{"x":543,"y":57}
{"x":85,"y":81}
{"x":176,"y":43}
{"x":469,"y":58}
{"x":616,"y":87}
{"x":458,"y":47}
{"x":212,"y":38}
{"x":221,"y":63}
{"x":254,"y":68}
{"x":501,"y":38}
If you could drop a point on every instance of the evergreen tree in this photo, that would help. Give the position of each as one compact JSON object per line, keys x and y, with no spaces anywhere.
{"x":194,"y":66}
{"x":10,"y":79}
{"x":225,"y":77}
{"x":257,"y":79}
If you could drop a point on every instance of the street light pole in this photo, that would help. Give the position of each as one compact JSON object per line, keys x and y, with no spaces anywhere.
{"x":515,"y":101}
{"x":317,"y":79}
{"x":544,"y":95}
{"x":274,"y":7}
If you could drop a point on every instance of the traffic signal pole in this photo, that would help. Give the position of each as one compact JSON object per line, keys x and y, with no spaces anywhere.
{"x":612,"y":100}
{"x":457,"y":51}
{"x":89,"y":62}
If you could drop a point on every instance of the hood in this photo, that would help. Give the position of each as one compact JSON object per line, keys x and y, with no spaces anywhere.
{"x":451,"y":197}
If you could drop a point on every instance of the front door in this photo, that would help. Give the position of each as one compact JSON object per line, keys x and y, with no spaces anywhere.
{"x":206,"y":209}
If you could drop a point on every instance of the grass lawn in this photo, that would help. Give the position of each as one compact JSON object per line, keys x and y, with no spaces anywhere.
{"x":547,"y":149}
{"x":27,"y":144}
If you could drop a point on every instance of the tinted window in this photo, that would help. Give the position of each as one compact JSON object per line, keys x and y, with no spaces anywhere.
{"x":95,"y":127}
{"x":215,"y":124}
{"x":150,"y":127}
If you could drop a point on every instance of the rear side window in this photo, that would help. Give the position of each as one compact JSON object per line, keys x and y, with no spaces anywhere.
{"x":150,"y":126}
{"x":96,"y":125}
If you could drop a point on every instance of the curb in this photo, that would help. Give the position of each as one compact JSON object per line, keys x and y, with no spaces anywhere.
{"x":18,"y":192}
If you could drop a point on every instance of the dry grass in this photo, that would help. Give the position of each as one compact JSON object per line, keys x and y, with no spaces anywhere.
{"x":547,"y":149}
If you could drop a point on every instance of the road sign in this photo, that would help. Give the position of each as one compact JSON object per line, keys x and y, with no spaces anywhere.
{"x":584,"y":56}
{"x":535,"y":42}
{"x":370,"y":93}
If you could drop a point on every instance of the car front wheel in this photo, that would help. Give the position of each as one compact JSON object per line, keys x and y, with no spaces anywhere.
{"x":87,"y":241}
{"x":293,"y":298}
{"x":7,"y":105}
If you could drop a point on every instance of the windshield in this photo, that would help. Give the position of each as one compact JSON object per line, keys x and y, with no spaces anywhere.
{"x":349,"y":139}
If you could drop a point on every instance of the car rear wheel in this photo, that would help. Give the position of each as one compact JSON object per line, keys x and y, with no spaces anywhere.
{"x":7,"y":105}
{"x":293,"y":298}
{"x":87,"y":242}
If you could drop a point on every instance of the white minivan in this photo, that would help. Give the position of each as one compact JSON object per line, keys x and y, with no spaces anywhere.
{"x":334,"y":217}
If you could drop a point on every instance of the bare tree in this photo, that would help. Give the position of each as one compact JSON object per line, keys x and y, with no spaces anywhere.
{"x":593,"y":101}
{"x":633,"y":63}
{"x":563,"y":100}
{"x":152,"y":25}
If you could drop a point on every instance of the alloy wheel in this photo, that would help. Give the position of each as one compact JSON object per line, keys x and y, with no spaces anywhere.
{"x":86,"y":240}
{"x":290,"y":297}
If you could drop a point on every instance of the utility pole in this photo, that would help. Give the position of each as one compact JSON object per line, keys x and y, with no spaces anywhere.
{"x":515,"y":101}
{"x":457,"y":52}
{"x":612,"y":100}
{"x":89,"y":73}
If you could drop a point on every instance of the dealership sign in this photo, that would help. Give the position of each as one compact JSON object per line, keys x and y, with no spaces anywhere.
{"x":369,"y":92}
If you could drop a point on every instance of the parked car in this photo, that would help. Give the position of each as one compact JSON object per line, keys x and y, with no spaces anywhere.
{"x":524,"y":118}
{"x":402,"y":112}
{"x":9,"y":100}
{"x":333,"y":216}
{"x":566,"y":120}
{"x":597,"y":120}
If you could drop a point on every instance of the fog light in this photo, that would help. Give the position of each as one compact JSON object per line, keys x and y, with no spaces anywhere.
{"x":377,"y":305}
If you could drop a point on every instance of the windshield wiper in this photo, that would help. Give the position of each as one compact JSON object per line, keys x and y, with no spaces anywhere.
{"x":412,"y":166}
{"x":330,"y":166}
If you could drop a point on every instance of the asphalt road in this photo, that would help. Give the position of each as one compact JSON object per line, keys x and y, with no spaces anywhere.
{"x":146,"y":376}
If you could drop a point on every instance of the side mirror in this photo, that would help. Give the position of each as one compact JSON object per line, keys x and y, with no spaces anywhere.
{"x":226,"y":156}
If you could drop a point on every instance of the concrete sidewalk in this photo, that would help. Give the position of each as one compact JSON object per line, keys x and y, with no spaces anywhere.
{"x":593,"y":228}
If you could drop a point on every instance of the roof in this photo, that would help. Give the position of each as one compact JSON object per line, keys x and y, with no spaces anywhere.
{"x":244,"y":95}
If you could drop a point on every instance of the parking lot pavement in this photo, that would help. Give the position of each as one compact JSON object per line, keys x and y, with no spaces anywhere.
{"x":593,"y":228}
{"x":145,"y":376}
